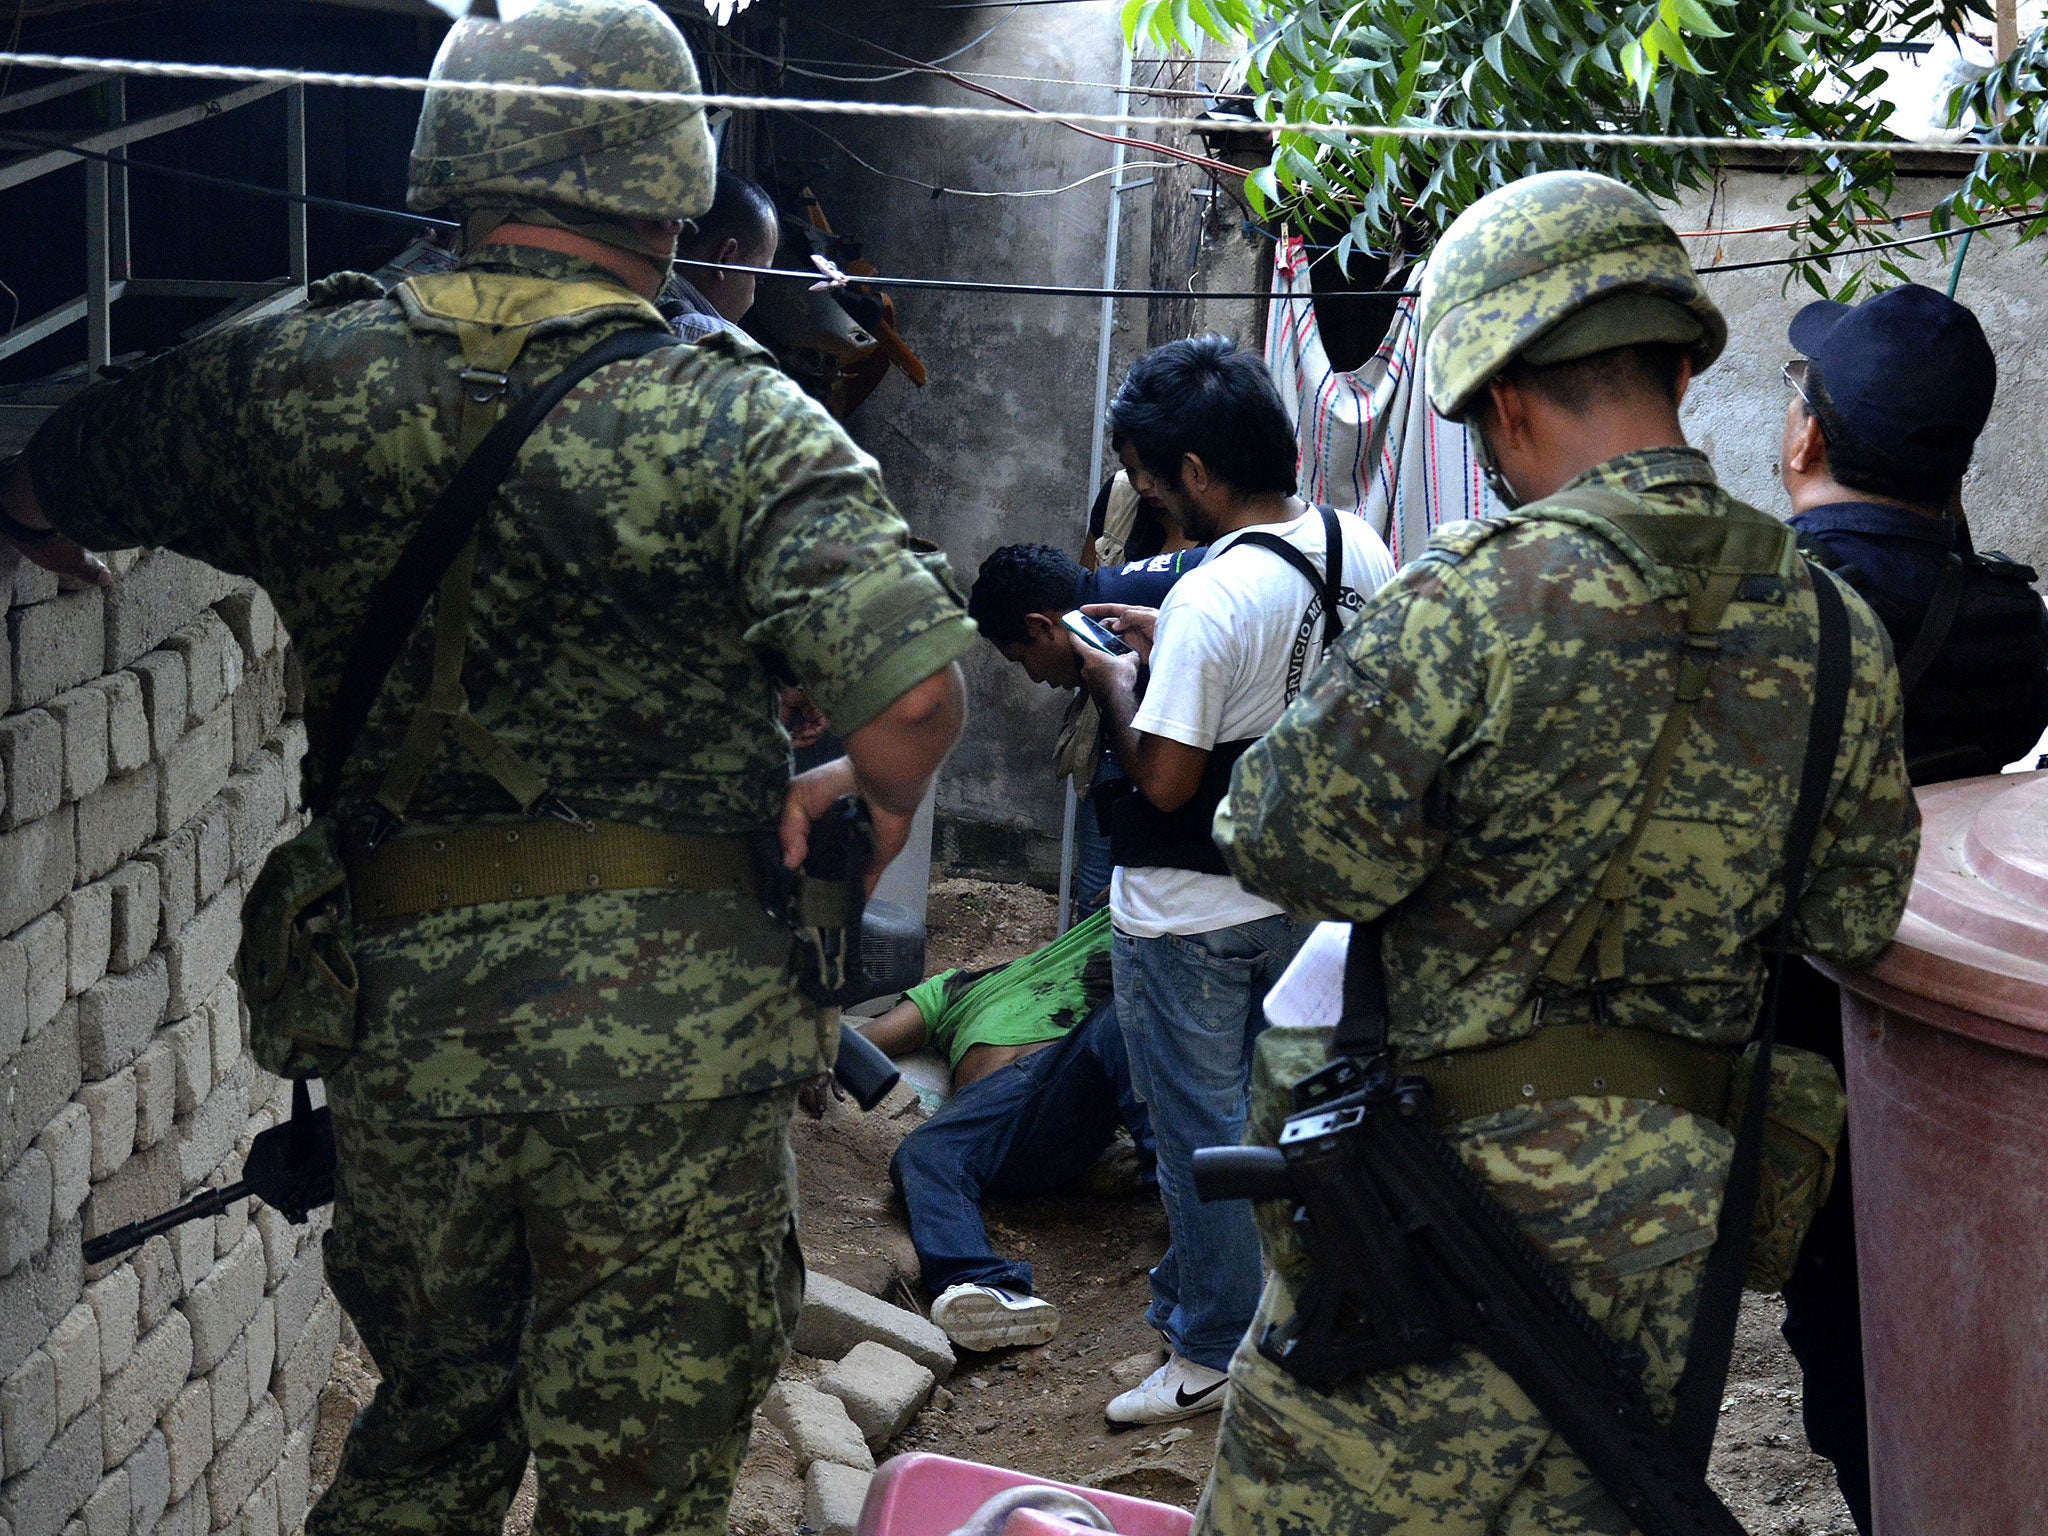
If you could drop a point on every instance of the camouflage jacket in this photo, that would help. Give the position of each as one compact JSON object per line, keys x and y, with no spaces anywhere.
{"x":684,"y":529}
{"x":1472,"y":758}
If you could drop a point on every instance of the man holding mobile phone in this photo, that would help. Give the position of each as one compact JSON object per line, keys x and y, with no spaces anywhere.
{"x":1201,"y":430}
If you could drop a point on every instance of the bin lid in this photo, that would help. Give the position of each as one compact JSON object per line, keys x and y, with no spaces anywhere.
{"x":1975,"y":936}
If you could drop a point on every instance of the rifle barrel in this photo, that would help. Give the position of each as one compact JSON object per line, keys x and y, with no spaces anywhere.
{"x":210,"y":1202}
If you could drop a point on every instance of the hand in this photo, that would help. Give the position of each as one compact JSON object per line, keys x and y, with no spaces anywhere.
{"x":804,"y":721}
{"x":1104,"y":675}
{"x":1133,"y":625}
{"x":814,"y":793}
{"x":64,"y":557}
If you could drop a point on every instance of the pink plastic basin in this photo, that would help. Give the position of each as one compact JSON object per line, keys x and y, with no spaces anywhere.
{"x":1947,"y":1046}
{"x":925,"y":1495}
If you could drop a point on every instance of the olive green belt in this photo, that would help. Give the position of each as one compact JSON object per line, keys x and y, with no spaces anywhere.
{"x":1565,"y":1061}
{"x":440,"y":870}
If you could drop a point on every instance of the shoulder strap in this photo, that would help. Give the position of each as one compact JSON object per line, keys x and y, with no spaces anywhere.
{"x":1712,"y":1343}
{"x":1934,"y":628}
{"x":1329,"y":584}
{"x":398,"y":600}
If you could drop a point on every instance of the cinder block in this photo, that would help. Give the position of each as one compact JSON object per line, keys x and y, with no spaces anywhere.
{"x":816,"y":1426}
{"x":230,"y":1038}
{"x":836,"y":1317}
{"x":303,"y":1370}
{"x":38,"y":864}
{"x":209,"y":1135}
{"x":153,"y":597}
{"x":245,"y":1461}
{"x":116,"y":820}
{"x":25,"y":1206}
{"x":188,"y":1435}
{"x":57,"y":644}
{"x":23,"y":582}
{"x":75,"y":1351}
{"x":882,"y":1389}
{"x":156,"y":1093}
{"x":256,"y":805}
{"x":111,"y":1103}
{"x":187,"y":1517}
{"x":298,"y":1297}
{"x":40,"y":1081}
{"x":163,"y":1285}
{"x":201,"y":952}
{"x":260,"y":707}
{"x":89,"y":932}
{"x":116,"y":1301}
{"x":191,"y":1042}
{"x":280,"y":1240}
{"x":146,"y":1386}
{"x":32,"y":760}
{"x":109,"y":1511}
{"x":146,"y":1184}
{"x":43,"y":1499}
{"x":47,"y":948}
{"x":128,"y":740}
{"x":216,"y":850}
{"x":117,"y":1015}
{"x":194,"y":770}
{"x":204,"y":643}
{"x":138,"y":914}
{"x":67,"y":1142}
{"x":149,"y":1481}
{"x":34,"y":1299}
{"x":259,"y":1515}
{"x":28,"y":1412}
{"x":252,"y":620}
{"x":232,"y":1224}
{"x":262,"y":1337}
{"x":222,"y":1305}
{"x":13,"y":997}
{"x":162,"y":675}
{"x":833,"y":1497}
{"x":81,"y":716}
{"x":192,"y":1247}
{"x":176,"y":859}
{"x":229,"y":1385}
{"x":294,"y":1482}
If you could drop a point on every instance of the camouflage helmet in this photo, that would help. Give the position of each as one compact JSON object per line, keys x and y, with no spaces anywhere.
{"x":615,"y":159}
{"x":1555,"y":267}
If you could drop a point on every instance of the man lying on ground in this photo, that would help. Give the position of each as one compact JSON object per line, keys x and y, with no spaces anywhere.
{"x":1040,"y":1084}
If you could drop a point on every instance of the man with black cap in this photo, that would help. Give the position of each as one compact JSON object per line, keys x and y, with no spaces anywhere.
{"x":1888,"y":399}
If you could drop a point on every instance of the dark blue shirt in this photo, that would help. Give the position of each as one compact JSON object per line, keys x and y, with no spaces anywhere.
{"x":1139,"y":583}
{"x":1896,"y":551}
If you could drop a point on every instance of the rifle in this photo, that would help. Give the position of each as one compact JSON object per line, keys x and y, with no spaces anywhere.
{"x":1412,"y":1257}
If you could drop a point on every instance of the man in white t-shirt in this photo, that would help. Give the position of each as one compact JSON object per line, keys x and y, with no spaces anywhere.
{"x":1202,"y":431}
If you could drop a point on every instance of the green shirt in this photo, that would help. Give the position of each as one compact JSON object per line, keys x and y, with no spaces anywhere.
{"x":1039,"y":997}
{"x":685,"y":530}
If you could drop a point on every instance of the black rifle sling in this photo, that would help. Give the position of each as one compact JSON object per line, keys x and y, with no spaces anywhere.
{"x":401,"y":597}
{"x":1933,"y":632}
{"x":1330,"y":585}
{"x":1712,"y":1343}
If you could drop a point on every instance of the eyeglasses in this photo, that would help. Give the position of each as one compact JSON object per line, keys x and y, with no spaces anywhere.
{"x":1794,"y":375}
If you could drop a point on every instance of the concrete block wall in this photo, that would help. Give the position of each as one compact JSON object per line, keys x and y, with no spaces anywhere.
{"x":148,"y":762}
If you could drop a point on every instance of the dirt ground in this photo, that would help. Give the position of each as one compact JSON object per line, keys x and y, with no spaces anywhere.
{"x":1040,"y":1410}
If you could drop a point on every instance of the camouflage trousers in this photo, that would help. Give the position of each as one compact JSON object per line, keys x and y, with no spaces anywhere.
{"x":1451,"y":1450}
{"x":610,"y":1290}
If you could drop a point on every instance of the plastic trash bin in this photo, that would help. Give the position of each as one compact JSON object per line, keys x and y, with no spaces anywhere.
{"x":1947,"y":1050}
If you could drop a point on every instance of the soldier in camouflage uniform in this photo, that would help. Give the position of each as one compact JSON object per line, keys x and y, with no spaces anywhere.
{"x":1466,"y":768}
{"x":565,"y":1217}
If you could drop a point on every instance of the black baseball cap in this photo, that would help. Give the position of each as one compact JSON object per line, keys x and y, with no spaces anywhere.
{"x":1907,"y":371}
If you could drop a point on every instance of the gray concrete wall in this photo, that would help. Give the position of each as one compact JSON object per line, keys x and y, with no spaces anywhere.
{"x":1737,"y":409}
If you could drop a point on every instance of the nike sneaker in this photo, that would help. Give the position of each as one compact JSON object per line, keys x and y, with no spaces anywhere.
{"x":1179,"y":1389}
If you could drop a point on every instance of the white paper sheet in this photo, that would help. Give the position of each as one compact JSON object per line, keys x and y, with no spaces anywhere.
{"x":1310,"y":992}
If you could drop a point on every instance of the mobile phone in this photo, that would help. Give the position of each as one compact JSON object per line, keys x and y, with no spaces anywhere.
{"x":1092,"y":633}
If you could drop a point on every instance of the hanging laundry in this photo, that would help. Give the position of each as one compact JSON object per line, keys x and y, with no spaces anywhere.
{"x":1369,"y":441}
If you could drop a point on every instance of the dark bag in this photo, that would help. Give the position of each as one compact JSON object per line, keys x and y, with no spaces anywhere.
{"x":298,"y":930}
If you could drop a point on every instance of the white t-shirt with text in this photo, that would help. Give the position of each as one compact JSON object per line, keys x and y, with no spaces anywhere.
{"x":1237,"y":639}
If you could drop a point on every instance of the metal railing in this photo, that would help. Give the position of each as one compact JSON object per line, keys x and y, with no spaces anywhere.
{"x":108,"y":274}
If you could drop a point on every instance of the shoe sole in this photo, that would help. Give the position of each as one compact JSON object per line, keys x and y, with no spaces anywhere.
{"x":983,"y":1323}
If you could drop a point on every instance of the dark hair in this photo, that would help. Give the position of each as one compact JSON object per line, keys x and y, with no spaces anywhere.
{"x":1649,"y":367}
{"x":1205,"y":397}
{"x":1863,"y":466}
{"x":1019,"y":579}
{"x":740,"y":209}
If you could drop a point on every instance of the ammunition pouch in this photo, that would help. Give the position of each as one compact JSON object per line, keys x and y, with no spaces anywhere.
{"x":298,"y":966}
{"x":1803,"y":1121}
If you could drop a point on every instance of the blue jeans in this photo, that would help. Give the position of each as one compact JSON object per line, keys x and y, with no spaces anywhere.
{"x":1191,"y":1006}
{"x":1092,"y":863}
{"x":1028,"y":1129}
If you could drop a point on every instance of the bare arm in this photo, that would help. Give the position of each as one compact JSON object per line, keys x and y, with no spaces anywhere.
{"x":61,"y":555}
{"x":1167,"y":772}
{"x":889,"y":763}
{"x":899,"y":1031}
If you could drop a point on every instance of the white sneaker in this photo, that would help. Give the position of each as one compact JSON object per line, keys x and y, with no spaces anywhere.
{"x":1179,"y":1389}
{"x":988,"y":1317}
